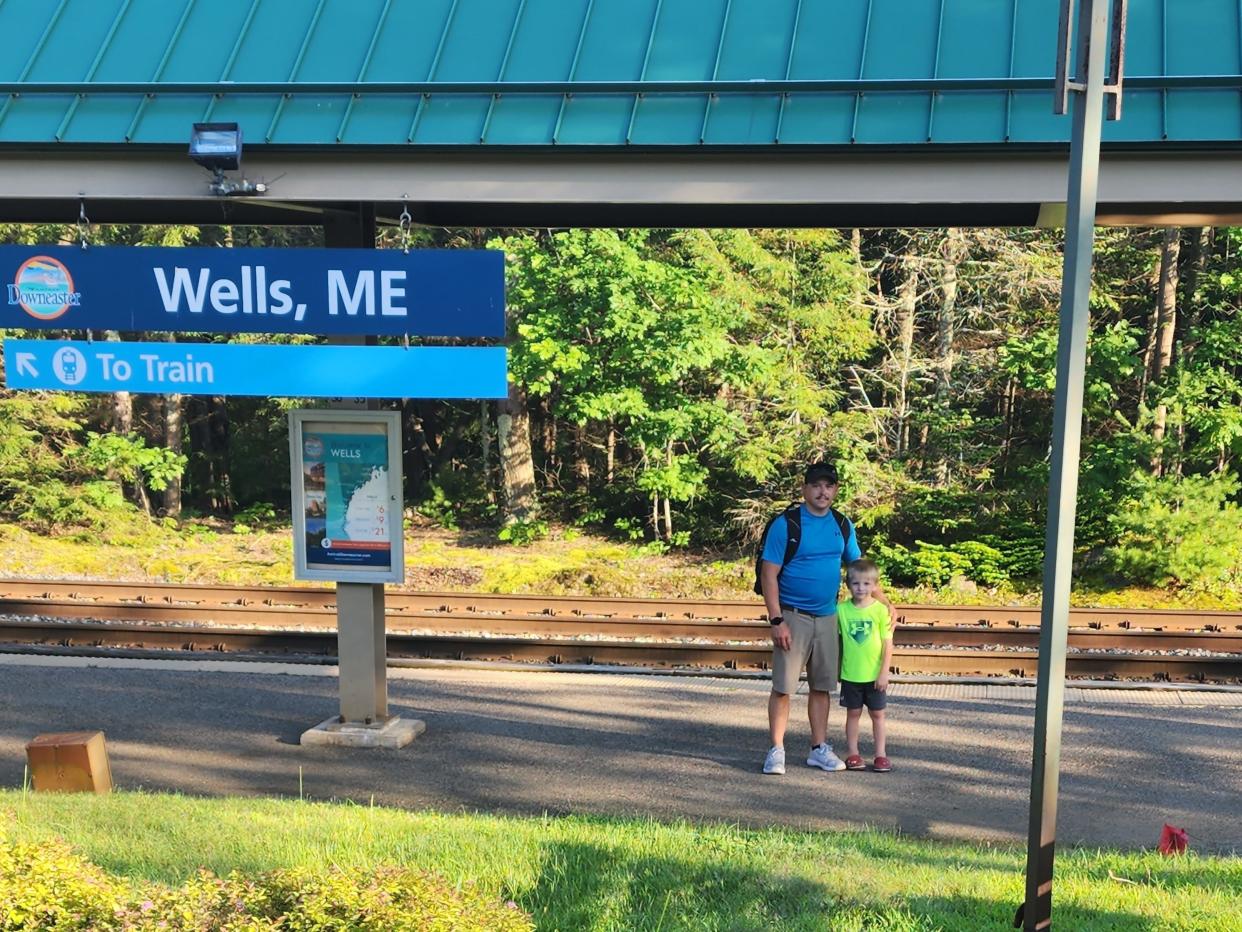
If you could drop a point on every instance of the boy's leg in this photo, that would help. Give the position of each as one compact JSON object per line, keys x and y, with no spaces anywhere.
{"x":852,"y":719}
{"x":877,"y":730}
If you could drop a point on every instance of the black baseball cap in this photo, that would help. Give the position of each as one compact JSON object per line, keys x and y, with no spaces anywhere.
{"x":817,"y":471}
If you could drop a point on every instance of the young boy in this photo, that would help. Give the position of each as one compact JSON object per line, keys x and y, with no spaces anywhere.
{"x":866,"y":650}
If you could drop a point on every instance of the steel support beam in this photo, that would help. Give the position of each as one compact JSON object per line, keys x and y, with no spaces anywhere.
{"x":1088,"y":93}
{"x":561,"y":188}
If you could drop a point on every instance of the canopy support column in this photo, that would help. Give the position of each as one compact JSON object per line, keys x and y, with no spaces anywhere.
{"x":1036,"y":912}
{"x":361,"y":642}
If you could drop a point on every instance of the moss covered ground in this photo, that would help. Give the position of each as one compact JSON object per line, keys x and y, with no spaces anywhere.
{"x":566,"y":562}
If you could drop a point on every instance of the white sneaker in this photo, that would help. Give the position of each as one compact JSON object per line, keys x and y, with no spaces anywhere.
{"x":823,"y":758}
{"x":775,"y":761}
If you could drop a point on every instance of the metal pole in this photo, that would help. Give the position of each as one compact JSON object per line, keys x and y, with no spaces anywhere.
{"x":362,"y":647}
{"x":1066,"y":438}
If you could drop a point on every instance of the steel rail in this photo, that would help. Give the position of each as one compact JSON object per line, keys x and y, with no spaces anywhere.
{"x":1212,"y":656}
{"x":146,"y":614}
{"x":71,"y":598}
{"x":571,"y":651}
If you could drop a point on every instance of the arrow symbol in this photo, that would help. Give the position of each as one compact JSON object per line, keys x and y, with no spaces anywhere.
{"x":25,"y":365}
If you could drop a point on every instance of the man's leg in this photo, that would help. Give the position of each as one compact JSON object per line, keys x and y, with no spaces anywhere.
{"x":778,"y":717}
{"x":817,"y":704}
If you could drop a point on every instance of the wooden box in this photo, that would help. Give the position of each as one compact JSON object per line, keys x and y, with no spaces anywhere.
{"x":70,"y":762}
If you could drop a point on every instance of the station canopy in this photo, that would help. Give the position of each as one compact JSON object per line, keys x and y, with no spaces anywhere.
{"x":602,"y":112}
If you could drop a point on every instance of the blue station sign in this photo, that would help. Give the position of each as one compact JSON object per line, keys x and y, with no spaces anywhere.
{"x":426,"y":292}
{"x":249,"y":369}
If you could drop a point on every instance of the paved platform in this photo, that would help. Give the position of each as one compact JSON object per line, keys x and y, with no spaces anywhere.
{"x":534,"y":742}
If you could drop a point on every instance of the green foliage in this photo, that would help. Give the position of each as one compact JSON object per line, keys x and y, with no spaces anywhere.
{"x":258,"y":515}
{"x":440,"y":508}
{"x":1112,"y":358}
{"x":46,"y":886}
{"x":130,"y":459}
{"x":630,"y":528}
{"x":936,"y":565}
{"x":1184,"y":532}
{"x":522,"y":533}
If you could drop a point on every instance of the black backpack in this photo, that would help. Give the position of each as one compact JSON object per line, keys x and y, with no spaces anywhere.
{"x":793,"y":521}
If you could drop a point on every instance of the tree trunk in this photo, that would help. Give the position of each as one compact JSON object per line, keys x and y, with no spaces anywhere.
{"x":173,"y":438}
{"x":582,"y":466}
{"x":122,"y":402}
{"x":906,"y":302}
{"x":668,"y":506}
{"x":612,"y":452}
{"x":174,"y":433}
{"x":1008,"y":416}
{"x":485,"y":429}
{"x":946,"y":332}
{"x":1188,"y":318}
{"x":517,"y":466}
{"x":1162,"y":358}
{"x":552,"y":463}
{"x":1195,"y":260}
{"x":221,"y":444}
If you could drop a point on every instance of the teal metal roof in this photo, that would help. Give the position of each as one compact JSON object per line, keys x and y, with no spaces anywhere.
{"x":600,"y":73}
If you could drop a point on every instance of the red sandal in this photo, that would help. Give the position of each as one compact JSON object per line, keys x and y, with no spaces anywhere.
{"x":854,"y":762}
{"x":881,"y":765}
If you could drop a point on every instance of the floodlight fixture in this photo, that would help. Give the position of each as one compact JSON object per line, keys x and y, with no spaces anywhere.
{"x":216,"y":146}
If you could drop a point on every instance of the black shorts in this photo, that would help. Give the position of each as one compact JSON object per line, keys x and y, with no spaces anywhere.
{"x":857,"y":695}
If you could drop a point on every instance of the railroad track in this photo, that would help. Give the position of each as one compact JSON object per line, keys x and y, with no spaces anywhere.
{"x":300,"y":622}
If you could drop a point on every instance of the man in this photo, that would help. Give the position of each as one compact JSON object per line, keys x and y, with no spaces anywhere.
{"x":801,"y":599}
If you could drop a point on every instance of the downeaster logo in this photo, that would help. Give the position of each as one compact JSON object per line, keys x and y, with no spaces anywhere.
{"x":43,"y":288}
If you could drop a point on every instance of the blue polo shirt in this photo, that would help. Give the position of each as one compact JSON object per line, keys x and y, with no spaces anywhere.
{"x":811,"y":580}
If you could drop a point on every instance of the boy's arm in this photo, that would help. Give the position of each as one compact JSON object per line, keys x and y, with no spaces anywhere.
{"x":881,"y":681}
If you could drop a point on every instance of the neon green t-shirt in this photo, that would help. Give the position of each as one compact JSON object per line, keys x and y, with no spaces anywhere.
{"x":863,"y":633}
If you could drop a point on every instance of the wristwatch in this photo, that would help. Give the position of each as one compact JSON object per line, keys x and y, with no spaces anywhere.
{"x":776,"y":620}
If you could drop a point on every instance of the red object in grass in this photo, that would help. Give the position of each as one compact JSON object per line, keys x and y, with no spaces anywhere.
{"x":1173,"y":840}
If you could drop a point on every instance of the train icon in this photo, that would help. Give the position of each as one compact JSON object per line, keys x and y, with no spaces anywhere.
{"x":69,"y":365}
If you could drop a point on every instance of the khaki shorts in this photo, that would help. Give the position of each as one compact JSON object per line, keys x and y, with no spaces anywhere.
{"x":815,"y":645}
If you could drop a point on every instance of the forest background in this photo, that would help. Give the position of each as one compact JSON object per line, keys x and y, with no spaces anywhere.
{"x":668,"y":386}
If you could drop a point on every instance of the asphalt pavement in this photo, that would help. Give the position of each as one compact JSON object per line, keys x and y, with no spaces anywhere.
{"x":666,"y":747}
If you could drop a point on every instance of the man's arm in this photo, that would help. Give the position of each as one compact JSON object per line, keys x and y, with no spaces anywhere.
{"x":878,"y":594}
{"x":770,"y":584}
{"x":853,"y":551}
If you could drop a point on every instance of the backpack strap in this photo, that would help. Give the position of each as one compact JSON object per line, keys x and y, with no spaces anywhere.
{"x":793,"y":531}
{"x":843,"y":524}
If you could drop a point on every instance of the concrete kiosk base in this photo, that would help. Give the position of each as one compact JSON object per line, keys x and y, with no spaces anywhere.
{"x":396,"y":732}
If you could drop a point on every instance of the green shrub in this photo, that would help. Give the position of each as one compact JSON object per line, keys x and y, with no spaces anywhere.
{"x":48,"y":887}
{"x":1019,"y":558}
{"x":523,"y":532}
{"x":1185,"y":532}
{"x":260,"y":514}
{"x":935,"y":565}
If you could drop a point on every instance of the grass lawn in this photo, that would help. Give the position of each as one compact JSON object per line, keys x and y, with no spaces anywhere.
{"x":596,"y":873}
